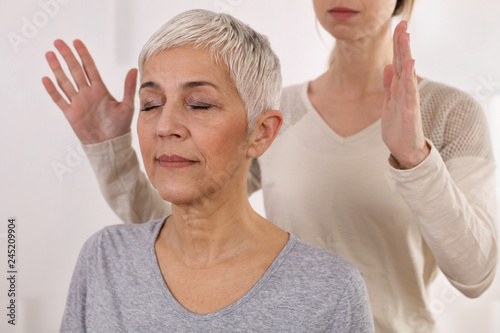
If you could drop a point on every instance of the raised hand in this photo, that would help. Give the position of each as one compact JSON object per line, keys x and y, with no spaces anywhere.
{"x":93,"y":113}
{"x":401,"y":119}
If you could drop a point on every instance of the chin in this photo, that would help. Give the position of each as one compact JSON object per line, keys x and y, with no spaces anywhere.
{"x":346,"y":33}
{"x":176,"y":196}
{"x":184,"y":195}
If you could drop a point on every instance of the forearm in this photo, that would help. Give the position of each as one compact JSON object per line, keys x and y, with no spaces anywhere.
{"x":124,"y":186}
{"x":454,"y":205}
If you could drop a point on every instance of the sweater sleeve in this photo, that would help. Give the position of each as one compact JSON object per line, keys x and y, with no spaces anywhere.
{"x":124,"y":186}
{"x":452,"y":196}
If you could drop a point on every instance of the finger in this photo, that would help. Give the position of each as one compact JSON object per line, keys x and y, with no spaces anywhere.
{"x":54,"y":94}
{"x":130,"y":86}
{"x":407,"y":60}
{"x":395,"y":52}
{"x":62,"y":80}
{"x":388,"y":75}
{"x":406,"y":56}
{"x":411,"y":85}
{"x":73,"y":65}
{"x":404,"y":46}
{"x":398,"y":32}
{"x":87,"y":61}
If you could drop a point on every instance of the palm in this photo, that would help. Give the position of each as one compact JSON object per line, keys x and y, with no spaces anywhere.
{"x":93,"y":113}
{"x":401,"y":120}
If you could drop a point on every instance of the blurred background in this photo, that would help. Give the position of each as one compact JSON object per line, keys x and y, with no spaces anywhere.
{"x":49,"y":187}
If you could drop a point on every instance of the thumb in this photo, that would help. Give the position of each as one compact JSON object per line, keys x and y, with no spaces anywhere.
{"x":130,"y":86}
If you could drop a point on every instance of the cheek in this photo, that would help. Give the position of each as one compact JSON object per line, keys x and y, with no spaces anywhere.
{"x":318,"y":5}
{"x":225,"y":145}
{"x":382,"y":10}
{"x":320,"y":11}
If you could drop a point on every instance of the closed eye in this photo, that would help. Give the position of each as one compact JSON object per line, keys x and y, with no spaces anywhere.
{"x":200,"y":107}
{"x":148,"y":108}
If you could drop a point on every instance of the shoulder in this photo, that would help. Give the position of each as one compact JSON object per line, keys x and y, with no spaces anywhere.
{"x":122,"y":237}
{"x":129,"y":232}
{"x":324,"y":283}
{"x":454,"y":121}
{"x":292,"y":90}
{"x":293,"y":96}
{"x":435,"y":96}
{"x":319,"y":289}
{"x":324,"y":268}
{"x":293,"y":105}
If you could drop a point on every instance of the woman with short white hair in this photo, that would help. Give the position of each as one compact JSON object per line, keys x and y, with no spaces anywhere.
{"x":390,"y":170}
{"x":210,"y":88}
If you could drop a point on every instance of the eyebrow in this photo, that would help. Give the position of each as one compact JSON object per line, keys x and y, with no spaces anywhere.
{"x":185,"y":85}
{"x":150,"y":84}
{"x":194,"y":84}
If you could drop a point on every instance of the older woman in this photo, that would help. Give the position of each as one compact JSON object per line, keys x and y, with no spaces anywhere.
{"x":209,"y":90}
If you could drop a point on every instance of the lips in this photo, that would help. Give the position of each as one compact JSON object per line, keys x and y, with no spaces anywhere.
{"x":174,"y":161}
{"x":342,"y":13}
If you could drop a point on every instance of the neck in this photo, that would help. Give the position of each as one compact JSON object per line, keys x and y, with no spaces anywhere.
{"x":357,"y":66}
{"x":214,"y":228}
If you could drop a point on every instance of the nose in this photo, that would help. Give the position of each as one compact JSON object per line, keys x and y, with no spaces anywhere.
{"x":172,"y":122}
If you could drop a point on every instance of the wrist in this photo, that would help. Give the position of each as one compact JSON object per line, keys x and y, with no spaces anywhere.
{"x":412,"y":160}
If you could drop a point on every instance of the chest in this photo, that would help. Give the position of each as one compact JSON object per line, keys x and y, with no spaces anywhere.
{"x":135,"y":300}
{"x":208,"y":290}
{"x":316,"y":167}
{"x":347,"y":116}
{"x":340,"y":185}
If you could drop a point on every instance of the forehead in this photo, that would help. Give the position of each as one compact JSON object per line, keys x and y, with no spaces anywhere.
{"x":185,"y":64}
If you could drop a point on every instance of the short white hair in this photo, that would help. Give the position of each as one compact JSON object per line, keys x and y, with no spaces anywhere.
{"x":253,"y":66}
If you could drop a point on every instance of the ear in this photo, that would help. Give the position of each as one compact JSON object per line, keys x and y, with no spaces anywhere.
{"x":265,"y":130}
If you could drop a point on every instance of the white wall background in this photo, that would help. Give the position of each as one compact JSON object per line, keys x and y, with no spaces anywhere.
{"x":454,"y":41}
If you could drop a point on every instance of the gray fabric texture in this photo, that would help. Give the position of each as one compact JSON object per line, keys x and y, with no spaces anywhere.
{"x":117,"y":286}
